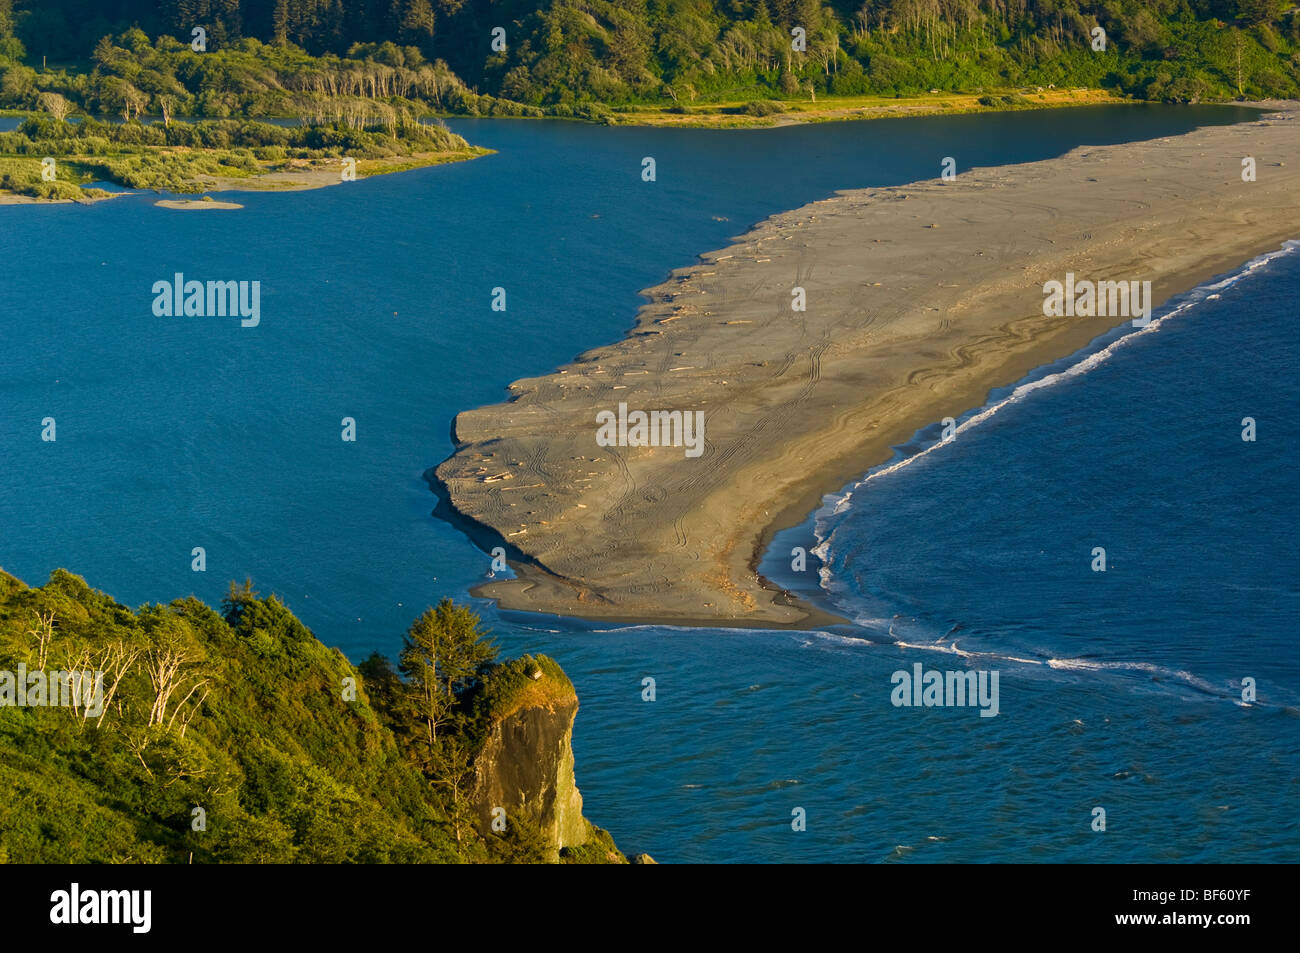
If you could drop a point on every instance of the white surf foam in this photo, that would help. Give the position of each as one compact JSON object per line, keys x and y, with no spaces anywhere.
{"x":835,"y":505}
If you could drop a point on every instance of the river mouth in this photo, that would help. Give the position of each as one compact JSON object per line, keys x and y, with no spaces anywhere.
{"x":177,"y":433}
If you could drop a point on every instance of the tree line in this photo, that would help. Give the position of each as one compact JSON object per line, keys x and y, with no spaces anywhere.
{"x":566,"y":53}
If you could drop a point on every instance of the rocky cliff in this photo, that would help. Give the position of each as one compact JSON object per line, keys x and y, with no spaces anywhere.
{"x":523,"y":768}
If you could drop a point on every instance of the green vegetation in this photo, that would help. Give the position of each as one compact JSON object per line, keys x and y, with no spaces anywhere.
{"x":197,"y":156}
{"x":138,"y":79}
{"x":514,"y":685}
{"x":291,"y":753}
{"x":599,"y":850}
{"x":730,"y":114}
{"x":363,"y":77}
{"x":586,"y":58}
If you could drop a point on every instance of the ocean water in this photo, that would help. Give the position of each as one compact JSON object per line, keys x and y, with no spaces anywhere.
{"x":1118,"y":690}
{"x":979,"y":553}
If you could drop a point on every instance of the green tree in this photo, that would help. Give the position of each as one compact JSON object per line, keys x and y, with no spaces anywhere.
{"x":1259,"y":11}
{"x":452,"y":769}
{"x":442,"y":654}
{"x":10,"y":47}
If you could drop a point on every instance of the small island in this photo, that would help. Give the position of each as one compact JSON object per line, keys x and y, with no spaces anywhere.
{"x":207,"y":202}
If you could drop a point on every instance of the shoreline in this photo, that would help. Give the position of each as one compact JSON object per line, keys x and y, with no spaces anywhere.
{"x":807,"y":523}
{"x":196,"y":205}
{"x":725,"y":115}
{"x":17,"y":198}
{"x":650,"y":541}
{"x":312,"y":174}
{"x":846,"y":108}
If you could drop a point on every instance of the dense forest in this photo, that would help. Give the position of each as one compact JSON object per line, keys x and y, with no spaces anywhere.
{"x":364,"y":77}
{"x":281,"y":56}
{"x":236,"y":736}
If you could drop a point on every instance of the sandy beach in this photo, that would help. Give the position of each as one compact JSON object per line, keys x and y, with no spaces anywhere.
{"x":920,"y":299}
{"x":300,"y":175}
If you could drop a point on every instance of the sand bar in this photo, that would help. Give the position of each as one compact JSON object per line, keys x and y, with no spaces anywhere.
{"x":920,"y":299}
{"x":196,"y":205}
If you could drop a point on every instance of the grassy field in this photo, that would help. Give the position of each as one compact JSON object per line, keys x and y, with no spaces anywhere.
{"x":368,"y":167}
{"x":835,"y":108}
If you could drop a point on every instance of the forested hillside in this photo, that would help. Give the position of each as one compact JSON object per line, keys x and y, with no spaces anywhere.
{"x":622,"y":51}
{"x":236,"y":736}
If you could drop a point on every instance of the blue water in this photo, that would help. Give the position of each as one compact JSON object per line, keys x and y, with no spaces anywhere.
{"x":978,"y":554}
{"x":183,"y":432}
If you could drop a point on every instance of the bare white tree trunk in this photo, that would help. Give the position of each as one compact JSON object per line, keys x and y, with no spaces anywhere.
{"x":43,"y":633}
{"x":116,"y":661}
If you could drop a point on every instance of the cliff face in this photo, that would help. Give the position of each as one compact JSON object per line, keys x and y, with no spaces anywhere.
{"x":526,"y":767}
{"x":525,"y":762}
